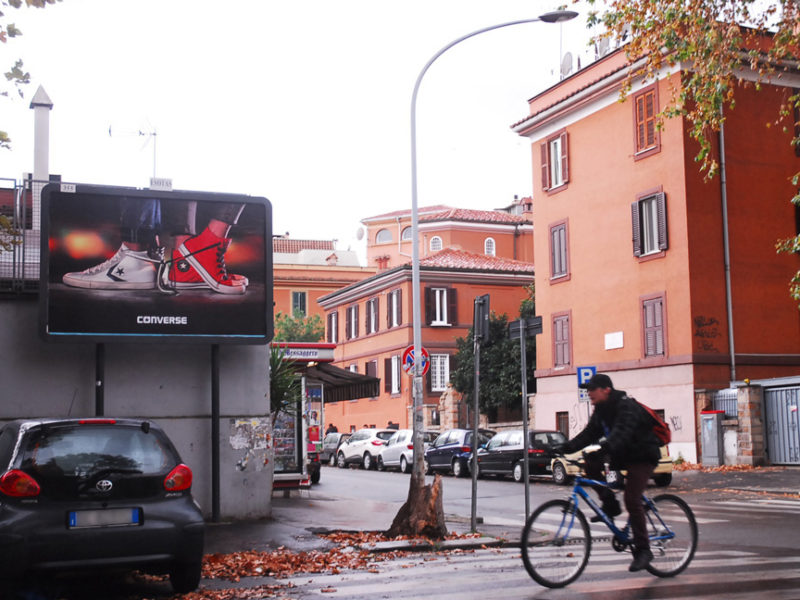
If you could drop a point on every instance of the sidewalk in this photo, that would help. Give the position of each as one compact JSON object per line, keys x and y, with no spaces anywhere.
{"x":299,"y":518}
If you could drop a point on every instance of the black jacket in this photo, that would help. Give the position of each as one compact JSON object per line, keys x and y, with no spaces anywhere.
{"x":627,"y":428}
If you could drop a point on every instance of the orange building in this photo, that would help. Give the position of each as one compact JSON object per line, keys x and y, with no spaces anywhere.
{"x":305,"y":270}
{"x":371,"y":321}
{"x":632,"y":246}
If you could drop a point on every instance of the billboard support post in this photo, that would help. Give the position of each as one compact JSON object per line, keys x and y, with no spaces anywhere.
{"x":215,"y":511}
{"x":99,"y":379}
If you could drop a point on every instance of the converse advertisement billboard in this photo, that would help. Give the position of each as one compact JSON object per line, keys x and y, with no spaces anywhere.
{"x":126,"y":264}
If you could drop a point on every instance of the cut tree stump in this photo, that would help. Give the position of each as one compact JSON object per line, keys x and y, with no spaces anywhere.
{"x":422,"y":515}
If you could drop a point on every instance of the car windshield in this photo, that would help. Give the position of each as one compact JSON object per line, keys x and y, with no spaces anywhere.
{"x":79,"y":449}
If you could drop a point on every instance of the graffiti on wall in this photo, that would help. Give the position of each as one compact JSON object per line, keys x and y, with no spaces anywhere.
{"x":706,"y":333}
{"x":252,"y":439}
{"x":676,"y":423}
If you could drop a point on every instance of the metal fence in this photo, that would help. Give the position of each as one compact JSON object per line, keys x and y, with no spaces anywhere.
{"x":19,"y":260}
{"x":725,"y":400}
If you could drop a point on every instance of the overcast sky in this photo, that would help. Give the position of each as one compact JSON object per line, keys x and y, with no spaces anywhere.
{"x":305,"y":102}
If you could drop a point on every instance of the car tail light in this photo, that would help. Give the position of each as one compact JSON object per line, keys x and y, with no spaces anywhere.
{"x":535,"y":451}
{"x":377,"y":442}
{"x":410,"y":446}
{"x":466,"y":449}
{"x":18,"y":484}
{"x":98,"y":421}
{"x":179,"y":479}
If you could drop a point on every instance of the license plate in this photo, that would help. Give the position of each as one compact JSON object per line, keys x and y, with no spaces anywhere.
{"x":111,"y":517}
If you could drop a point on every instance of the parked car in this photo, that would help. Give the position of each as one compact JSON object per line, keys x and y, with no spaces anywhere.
{"x":362,"y":448}
{"x":398,"y":453}
{"x":503,"y":454}
{"x":451,"y":450}
{"x":97,"y":493}
{"x":563,"y":471}
{"x":330,"y":444}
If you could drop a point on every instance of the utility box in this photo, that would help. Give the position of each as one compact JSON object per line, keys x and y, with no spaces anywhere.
{"x":711,"y":437}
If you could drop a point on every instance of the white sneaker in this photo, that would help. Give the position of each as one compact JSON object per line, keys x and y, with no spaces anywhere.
{"x":126,"y":270}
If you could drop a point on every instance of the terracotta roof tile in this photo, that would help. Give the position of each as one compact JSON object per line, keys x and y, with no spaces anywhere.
{"x":460,"y":259}
{"x":478,"y":216}
{"x":290,"y":246}
{"x":407,"y":212}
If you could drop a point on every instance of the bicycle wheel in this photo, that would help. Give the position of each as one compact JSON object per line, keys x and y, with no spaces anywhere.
{"x":671,"y":554}
{"x":556,"y":543}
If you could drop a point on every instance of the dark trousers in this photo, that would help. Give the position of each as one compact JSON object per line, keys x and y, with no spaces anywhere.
{"x":635,"y":484}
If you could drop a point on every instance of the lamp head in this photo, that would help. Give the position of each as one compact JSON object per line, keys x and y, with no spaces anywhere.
{"x":558,"y":16}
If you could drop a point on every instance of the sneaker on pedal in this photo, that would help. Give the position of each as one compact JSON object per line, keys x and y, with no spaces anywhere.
{"x":612,"y":509}
{"x":641,"y":559}
{"x":199,"y":263}
{"x":126,"y":270}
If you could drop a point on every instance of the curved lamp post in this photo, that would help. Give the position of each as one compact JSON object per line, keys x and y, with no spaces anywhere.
{"x":558,"y":16}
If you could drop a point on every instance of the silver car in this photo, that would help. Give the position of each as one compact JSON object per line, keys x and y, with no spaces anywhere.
{"x":398,"y":453}
{"x":362,"y":448}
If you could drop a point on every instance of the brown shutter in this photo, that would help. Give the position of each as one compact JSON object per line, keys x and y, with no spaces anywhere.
{"x":399,"y":299}
{"x":452,"y":306}
{"x":377,"y":309}
{"x":428,"y":305}
{"x":389,"y":305}
{"x":636,"y":229}
{"x":367,"y":311}
{"x":564,"y":157}
{"x":387,"y":374}
{"x":545,"y":167}
{"x":336,"y":327}
{"x":661,"y":208}
{"x":348,"y":315}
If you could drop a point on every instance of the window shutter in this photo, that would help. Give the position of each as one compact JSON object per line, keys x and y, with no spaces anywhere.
{"x":348,"y":315}
{"x":545,"y":167}
{"x":653,"y":327}
{"x":399,"y":300}
{"x":429,"y":305}
{"x":564,"y":158}
{"x":452,"y":306}
{"x":335,"y":319}
{"x":355,"y":321}
{"x":640,"y":137}
{"x":661,"y":208}
{"x":367,"y":311}
{"x":331,"y":339}
{"x":387,"y":374}
{"x":389,"y":308}
{"x":636,"y":227}
{"x":377,"y":309}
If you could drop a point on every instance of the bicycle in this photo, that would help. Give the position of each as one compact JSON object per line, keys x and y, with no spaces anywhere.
{"x":556,"y":540}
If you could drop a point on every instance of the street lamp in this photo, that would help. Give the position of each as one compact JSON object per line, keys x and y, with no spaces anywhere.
{"x":557,"y":16}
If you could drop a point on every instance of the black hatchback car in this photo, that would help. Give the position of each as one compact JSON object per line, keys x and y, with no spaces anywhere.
{"x":503,"y":454}
{"x":97,"y":493}
{"x":451,"y":451}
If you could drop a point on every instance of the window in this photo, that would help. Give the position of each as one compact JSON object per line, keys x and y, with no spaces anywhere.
{"x":299,"y":303}
{"x":653,"y":326}
{"x":646,"y":136}
{"x":649,"y":219}
{"x":440,"y":306}
{"x":371,"y":368}
{"x":353,"y":368}
{"x":562,"y":354}
{"x":406,"y":233}
{"x":391,"y":372}
{"x":333,"y":327}
{"x":555,"y":164}
{"x":436,"y":243}
{"x":562,"y":422}
{"x":351,"y":322}
{"x":559,"y":256}
{"x":371,"y":324}
{"x":383,"y":236}
{"x":440,"y":372}
{"x":488,"y":246}
{"x":394,"y":308}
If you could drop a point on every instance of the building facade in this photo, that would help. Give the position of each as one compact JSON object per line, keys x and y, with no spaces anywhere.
{"x":633,"y":246}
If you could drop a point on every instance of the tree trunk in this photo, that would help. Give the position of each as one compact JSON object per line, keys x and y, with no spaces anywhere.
{"x":422,"y":515}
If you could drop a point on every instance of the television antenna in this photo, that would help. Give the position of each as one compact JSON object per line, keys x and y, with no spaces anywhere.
{"x":149,"y":133}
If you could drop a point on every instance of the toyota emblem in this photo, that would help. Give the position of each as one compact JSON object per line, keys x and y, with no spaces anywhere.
{"x":104,"y":485}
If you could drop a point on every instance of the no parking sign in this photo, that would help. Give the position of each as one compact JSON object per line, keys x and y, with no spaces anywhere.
{"x":408,"y":360}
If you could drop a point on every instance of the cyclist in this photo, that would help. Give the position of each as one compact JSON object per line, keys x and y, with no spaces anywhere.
{"x":624,"y":431}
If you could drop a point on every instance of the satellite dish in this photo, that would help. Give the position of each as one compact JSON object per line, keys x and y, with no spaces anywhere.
{"x":566,"y":65}
{"x":601,"y":48}
{"x":360,"y":233}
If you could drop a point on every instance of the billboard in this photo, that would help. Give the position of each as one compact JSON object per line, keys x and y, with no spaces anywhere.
{"x":127,"y":264}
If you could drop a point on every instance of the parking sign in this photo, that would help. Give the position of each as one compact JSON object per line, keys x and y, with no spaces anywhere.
{"x":584,"y":375}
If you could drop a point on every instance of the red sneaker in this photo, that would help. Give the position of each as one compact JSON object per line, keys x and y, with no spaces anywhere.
{"x":200,"y":263}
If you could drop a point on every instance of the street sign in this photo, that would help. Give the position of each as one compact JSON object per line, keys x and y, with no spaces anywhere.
{"x":408,"y":360}
{"x":532,"y":326}
{"x":584,"y":375}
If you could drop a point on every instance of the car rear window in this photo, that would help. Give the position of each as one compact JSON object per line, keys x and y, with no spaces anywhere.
{"x":79,"y":449}
{"x":384,"y":435}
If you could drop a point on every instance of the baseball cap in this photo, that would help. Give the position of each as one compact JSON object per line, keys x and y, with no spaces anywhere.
{"x":598,"y":380}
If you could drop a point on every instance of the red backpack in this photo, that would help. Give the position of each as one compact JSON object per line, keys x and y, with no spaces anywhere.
{"x":660,"y":428}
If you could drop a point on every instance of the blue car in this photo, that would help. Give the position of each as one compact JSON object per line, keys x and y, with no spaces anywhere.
{"x":450,"y":452}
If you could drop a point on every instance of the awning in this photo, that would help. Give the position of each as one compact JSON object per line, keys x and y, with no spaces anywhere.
{"x":340,"y":384}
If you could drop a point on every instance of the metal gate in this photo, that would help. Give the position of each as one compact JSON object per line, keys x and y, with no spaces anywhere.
{"x":783,"y":425}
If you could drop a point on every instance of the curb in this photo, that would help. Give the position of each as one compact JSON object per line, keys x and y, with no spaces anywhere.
{"x":428,"y":546}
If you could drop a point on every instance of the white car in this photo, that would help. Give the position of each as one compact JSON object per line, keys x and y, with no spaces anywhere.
{"x":398,"y":453}
{"x":362,"y":448}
